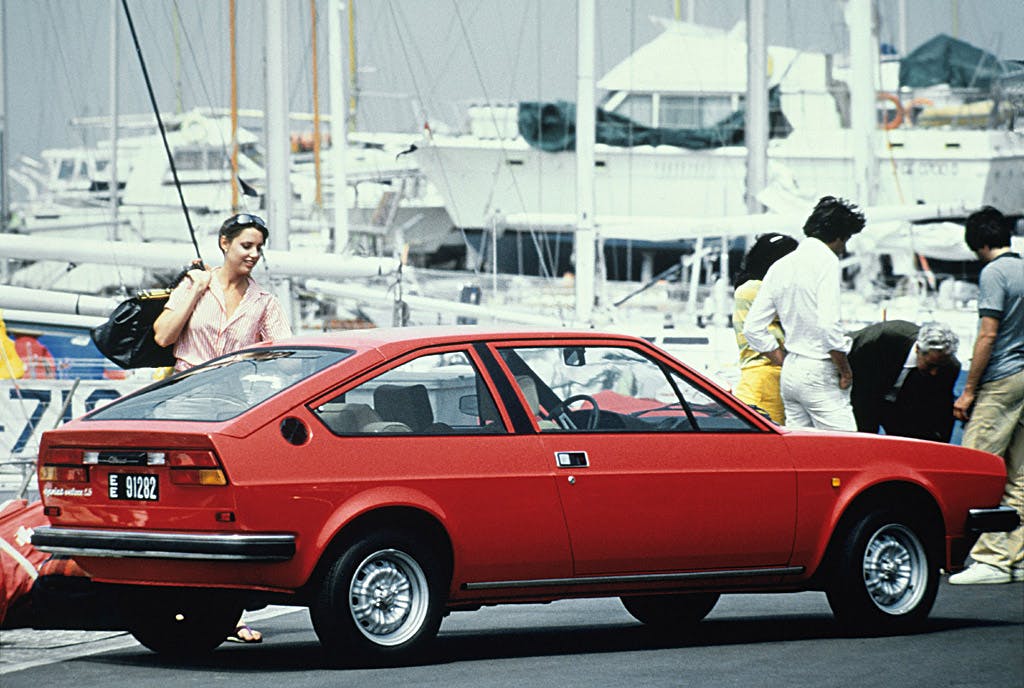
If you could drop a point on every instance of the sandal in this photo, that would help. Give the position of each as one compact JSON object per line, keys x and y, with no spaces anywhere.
{"x":245,"y":634}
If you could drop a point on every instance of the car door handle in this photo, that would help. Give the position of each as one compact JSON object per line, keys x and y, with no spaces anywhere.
{"x":571,"y":459}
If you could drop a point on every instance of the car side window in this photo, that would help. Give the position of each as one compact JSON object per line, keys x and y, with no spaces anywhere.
{"x":611,"y":389}
{"x":435,"y":394}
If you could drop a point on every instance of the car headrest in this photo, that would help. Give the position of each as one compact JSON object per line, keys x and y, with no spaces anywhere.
{"x":409,"y":404}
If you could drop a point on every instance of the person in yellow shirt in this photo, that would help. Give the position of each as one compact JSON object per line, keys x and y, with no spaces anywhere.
{"x":759,"y":377}
{"x":11,"y":365}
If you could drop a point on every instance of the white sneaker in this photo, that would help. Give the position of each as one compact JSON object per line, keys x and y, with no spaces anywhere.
{"x":1017,"y":574}
{"x":980,"y":574}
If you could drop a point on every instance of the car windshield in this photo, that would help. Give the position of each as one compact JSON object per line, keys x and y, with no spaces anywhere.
{"x":223,"y":388}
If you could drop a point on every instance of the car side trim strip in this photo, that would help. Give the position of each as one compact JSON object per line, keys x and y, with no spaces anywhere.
{"x":634,"y":578}
{"x":129,"y":543}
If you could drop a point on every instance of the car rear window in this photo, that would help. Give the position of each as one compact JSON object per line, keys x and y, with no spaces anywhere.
{"x":223,"y":388}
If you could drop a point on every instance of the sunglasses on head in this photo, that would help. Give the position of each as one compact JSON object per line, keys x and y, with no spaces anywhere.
{"x":246,"y":220}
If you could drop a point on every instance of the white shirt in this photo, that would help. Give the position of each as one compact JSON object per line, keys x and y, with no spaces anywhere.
{"x":803,"y":289}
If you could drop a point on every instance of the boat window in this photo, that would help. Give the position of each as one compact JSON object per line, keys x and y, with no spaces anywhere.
{"x":637,"y":107}
{"x":67,"y":169}
{"x":218,"y":160}
{"x":692,"y":112}
{"x":190,"y":159}
{"x":252,"y":151}
{"x":224,"y":387}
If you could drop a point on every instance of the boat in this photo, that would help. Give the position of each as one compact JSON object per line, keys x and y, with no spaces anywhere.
{"x":694,"y":76}
{"x":68,"y":189}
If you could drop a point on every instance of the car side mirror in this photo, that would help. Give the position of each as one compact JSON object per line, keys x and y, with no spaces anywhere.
{"x":574,"y":356}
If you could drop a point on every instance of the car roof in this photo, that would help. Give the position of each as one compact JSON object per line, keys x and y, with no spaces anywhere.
{"x":415,"y":337}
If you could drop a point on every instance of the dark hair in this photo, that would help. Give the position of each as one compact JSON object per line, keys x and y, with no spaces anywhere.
{"x":987,"y":227}
{"x":762,"y":255}
{"x":234,"y":225}
{"x":834,"y":218}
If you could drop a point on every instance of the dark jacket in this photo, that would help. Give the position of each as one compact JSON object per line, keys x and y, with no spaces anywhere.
{"x":923,"y":407}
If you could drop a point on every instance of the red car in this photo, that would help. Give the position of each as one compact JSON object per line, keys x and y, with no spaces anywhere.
{"x":385,"y":478}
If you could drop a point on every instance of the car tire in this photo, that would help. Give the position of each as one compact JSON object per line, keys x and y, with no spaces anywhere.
{"x":885,"y":575}
{"x":382,"y":600}
{"x":670,"y":612}
{"x":181,"y":623}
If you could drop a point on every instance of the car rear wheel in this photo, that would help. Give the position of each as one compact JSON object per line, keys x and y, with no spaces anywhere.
{"x":382,"y":600}
{"x":181,"y":623}
{"x":885,"y":577}
{"x":670,"y":612}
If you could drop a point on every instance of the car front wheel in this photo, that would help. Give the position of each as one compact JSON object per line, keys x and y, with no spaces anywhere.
{"x":670,"y":612}
{"x":382,"y":600}
{"x":886,"y":577}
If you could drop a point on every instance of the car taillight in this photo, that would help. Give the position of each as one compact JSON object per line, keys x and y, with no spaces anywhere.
{"x":195,"y":468}
{"x":63,"y":465}
{"x":63,"y":474}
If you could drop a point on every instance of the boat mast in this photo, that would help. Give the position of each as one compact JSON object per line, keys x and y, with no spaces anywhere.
{"x":757,"y":107}
{"x":278,"y":190}
{"x":232,"y":40}
{"x":339,"y":135}
{"x":112,"y":233}
{"x":585,"y":133}
{"x":319,"y":200}
{"x":863,"y":67}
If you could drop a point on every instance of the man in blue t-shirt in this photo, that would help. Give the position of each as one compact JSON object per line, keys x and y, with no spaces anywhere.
{"x":992,"y":402}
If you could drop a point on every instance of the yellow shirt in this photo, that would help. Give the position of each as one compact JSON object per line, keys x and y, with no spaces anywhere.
{"x":745,"y":293}
{"x":10,"y":362}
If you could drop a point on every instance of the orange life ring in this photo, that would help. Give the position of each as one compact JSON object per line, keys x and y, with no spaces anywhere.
{"x":900,"y":113}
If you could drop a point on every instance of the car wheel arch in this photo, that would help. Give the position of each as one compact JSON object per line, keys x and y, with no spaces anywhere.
{"x":907,"y":497}
{"x":405,"y":518}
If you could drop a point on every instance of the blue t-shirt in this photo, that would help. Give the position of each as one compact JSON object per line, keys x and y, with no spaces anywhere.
{"x":1001,"y":295}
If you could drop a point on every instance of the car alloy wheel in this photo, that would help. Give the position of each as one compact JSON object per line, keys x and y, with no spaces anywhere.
{"x":895,"y":569}
{"x":884,"y":578}
{"x":389,"y":597}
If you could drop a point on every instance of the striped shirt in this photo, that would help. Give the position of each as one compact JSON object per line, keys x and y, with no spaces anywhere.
{"x":210,"y":333}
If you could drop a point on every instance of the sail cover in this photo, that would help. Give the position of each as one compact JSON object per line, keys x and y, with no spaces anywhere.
{"x":551,"y":126}
{"x":947,"y":60}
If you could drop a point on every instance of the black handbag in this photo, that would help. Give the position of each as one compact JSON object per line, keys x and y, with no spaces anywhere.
{"x":127,"y":336}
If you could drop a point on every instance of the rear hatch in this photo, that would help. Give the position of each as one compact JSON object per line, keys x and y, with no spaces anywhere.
{"x":129,"y":474}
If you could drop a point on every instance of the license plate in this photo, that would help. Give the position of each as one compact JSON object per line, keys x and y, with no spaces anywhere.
{"x":135,"y":486}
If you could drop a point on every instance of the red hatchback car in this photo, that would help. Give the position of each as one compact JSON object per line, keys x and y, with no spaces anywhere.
{"x":385,"y":478}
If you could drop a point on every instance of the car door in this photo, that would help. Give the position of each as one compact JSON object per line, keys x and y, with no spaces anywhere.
{"x":427,"y":430}
{"x":665,"y":476}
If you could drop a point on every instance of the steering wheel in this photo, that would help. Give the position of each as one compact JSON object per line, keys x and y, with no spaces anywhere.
{"x":561,"y":411}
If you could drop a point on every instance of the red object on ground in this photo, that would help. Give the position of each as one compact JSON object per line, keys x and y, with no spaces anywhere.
{"x":19,"y":560}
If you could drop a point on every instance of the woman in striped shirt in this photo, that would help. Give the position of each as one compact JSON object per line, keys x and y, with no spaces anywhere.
{"x":214,"y":312}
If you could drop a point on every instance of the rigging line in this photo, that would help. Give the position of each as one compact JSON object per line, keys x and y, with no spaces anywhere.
{"x":199,"y":72}
{"x":503,"y":158}
{"x":419,"y":97}
{"x":160,"y":122}
{"x":63,"y":63}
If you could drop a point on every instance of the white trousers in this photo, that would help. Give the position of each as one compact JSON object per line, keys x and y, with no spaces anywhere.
{"x":811,"y":395}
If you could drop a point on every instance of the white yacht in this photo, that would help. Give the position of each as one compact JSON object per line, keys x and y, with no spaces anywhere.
{"x":932,"y":145}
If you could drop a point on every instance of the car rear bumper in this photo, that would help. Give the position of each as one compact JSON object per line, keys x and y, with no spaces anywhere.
{"x":1000,"y":519}
{"x":83,"y":542}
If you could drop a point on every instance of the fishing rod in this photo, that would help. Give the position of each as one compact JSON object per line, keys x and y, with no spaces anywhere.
{"x":160,"y":124}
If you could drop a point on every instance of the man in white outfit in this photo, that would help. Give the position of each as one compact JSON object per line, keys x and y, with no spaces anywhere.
{"x":802,"y":289}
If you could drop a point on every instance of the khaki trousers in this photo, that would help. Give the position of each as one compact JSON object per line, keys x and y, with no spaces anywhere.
{"x":997,"y":426}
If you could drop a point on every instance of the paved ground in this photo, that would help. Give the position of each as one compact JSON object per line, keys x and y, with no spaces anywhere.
{"x":975,"y":637}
